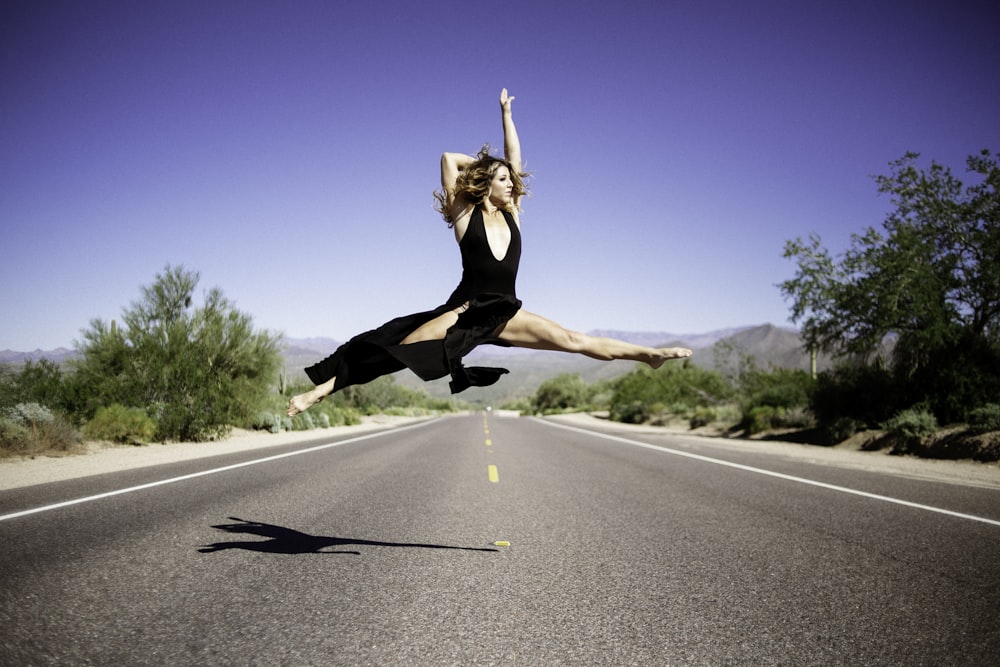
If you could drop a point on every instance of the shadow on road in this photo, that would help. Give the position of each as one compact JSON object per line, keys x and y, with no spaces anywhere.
{"x":289,"y":541}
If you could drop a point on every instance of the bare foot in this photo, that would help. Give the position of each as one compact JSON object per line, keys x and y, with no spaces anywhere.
{"x":668,"y":353}
{"x":302,"y":402}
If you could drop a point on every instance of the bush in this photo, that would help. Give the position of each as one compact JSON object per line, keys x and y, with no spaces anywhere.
{"x":117,"y":423}
{"x":761,"y":418}
{"x":266,"y":421}
{"x":196,"y":370}
{"x":566,"y":392}
{"x":985,"y":419}
{"x":380,"y":394}
{"x":798,"y":417}
{"x":703,"y":416}
{"x":15,"y":438}
{"x":30,"y":415}
{"x":909,"y":428}
{"x":842,"y":428}
{"x":679,"y":386}
{"x":635,"y":412}
{"x":31,"y":428}
{"x":303,"y":422}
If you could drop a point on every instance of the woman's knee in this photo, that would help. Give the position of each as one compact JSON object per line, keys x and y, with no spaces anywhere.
{"x":562,"y":338}
{"x":574,"y":341}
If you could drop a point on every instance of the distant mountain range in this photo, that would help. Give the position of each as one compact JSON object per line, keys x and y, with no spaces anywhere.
{"x":769,"y":345}
{"x":58,"y":355}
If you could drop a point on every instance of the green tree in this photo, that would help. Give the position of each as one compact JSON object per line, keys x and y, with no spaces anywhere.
{"x":563,"y":392}
{"x":637,"y":394}
{"x":195,"y":370}
{"x":929,"y":281}
{"x":38,"y":382}
{"x":380,"y":394}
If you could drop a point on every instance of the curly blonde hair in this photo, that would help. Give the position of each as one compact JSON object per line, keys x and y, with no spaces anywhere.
{"x":473,"y":182}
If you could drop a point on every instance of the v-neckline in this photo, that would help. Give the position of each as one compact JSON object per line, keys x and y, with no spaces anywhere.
{"x":489,"y":245}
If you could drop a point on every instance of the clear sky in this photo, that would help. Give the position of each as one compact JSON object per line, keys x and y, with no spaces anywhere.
{"x":288,"y":150}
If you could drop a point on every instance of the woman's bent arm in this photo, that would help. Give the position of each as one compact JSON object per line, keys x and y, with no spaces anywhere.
{"x":452,"y":164}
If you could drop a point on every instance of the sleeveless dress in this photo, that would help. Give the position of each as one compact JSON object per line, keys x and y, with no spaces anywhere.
{"x":487,"y":285}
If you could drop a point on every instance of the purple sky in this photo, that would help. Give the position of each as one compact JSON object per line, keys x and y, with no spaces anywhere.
{"x":288,"y":151}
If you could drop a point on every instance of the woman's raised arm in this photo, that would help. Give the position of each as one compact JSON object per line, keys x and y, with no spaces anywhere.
{"x":511,"y":143}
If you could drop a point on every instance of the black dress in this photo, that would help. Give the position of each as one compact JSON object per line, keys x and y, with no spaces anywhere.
{"x":488,"y":286}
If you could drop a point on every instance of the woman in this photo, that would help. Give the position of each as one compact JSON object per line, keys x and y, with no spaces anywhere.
{"x":480,"y":199}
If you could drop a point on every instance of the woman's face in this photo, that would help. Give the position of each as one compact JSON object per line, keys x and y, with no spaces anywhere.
{"x":501,"y":186}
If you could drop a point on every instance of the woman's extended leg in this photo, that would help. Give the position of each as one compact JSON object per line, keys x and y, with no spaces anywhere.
{"x":433,"y":330}
{"x":538,"y":333}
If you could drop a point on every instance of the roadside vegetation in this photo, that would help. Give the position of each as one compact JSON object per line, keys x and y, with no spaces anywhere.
{"x":173,"y":371}
{"x":911,"y":312}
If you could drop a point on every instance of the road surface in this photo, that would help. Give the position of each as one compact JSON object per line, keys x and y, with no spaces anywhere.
{"x":483,"y":539}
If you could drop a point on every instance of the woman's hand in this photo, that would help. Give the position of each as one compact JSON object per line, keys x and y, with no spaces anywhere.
{"x":505,"y":100}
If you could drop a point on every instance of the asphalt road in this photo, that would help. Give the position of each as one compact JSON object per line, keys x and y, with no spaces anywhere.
{"x":621,"y":550}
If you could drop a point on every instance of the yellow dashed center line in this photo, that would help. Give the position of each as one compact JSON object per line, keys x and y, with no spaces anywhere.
{"x":491,"y":470}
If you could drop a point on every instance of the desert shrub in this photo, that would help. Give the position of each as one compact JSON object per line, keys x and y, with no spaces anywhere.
{"x":379,"y":394}
{"x":31,"y":428}
{"x":521,"y":405}
{"x":985,"y":419}
{"x":703,"y":416}
{"x":30,"y":415}
{"x":760,"y":418}
{"x":443,"y":404}
{"x":679,"y":409}
{"x":324,"y":414}
{"x":913,"y":423}
{"x":842,"y":428}
{"x":266,"y":421}
{"x":15,"y":438}
{"x":117,"y":423}
{"x":785,"y":391}
{"x":342,"y":416}
{"x":798,"y":417}
{"x":415,"y":411}
{"x":782,"y":395}
{"x":562,"y":393}
{"x":635,"y":412}
{"x":908,"y":428}
{"x":636,"y":396}
{"x":303,"y":422}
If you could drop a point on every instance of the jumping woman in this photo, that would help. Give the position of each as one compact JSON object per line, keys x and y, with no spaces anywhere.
{"x":480,"y":200}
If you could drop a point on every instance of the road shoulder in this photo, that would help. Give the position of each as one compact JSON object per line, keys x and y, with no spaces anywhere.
{"x":103,"y":458}
{"x":963,"y":472}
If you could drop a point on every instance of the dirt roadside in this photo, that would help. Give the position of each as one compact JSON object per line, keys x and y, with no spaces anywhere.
{"x":963,"y":472}
{"x":99,"y":459}
{"x":102,"y":458}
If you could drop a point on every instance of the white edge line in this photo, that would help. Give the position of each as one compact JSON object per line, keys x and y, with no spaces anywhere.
{"x":761,"y":471}
{"x":172,"y":480}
